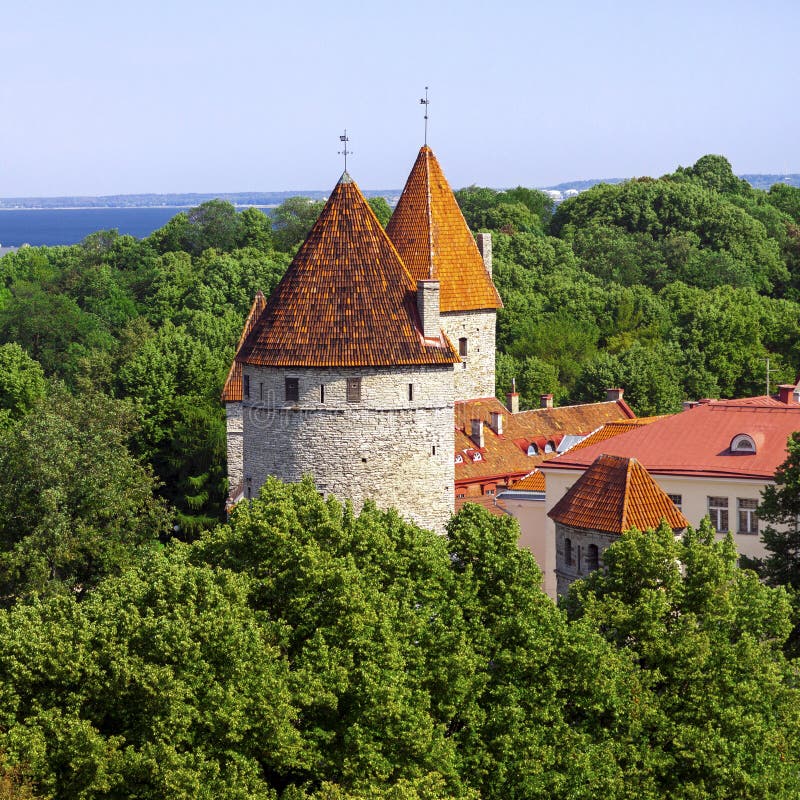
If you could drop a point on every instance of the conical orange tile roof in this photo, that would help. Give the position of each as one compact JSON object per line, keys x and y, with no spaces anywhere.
{"x":232,"y":391}
{"x":432,"y":236}
{"x":347,"y":299}
{"x":614,"y":495}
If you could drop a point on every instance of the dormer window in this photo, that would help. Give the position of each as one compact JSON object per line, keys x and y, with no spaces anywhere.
{"x":533,"y":450}
{"x":459,"y":458}
{"x":477,"y":457}
{"x":550,"y":447}
{"x":743,"y":443}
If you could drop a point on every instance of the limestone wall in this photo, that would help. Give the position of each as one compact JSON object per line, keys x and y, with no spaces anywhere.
{"x":567,"y":572}
{"x":391,"y":447}
{"x":233,"y":421}
{"x":474,"y":377}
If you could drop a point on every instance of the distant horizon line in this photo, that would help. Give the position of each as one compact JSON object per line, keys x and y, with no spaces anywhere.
{"x":562,"y":186}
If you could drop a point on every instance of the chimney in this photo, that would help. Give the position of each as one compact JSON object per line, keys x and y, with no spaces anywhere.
{"x":612,"y":395}
{"x":428,"y":308}
{"x":512,"y":402}
{"x":477,"y":432}
{"x":546,"y":400}
{"x":497,"y":422}
{"x":485,"y":247}
{"x":786,"y":394}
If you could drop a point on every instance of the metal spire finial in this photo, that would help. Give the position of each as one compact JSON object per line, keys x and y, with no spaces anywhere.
{"x":425,"y":102}
{"x":344,"y":138}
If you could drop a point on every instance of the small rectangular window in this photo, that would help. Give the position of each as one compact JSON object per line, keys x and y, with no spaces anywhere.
{"x":677,"y":500}
{"x":246,"y":387}
{"x":433,"y":450}
{"x":410,"y":391}
{"x":462,"y":347}
{"x":354,"y":390}
{"x":260,"y":391}
{"x":292,"y":390}
{"x":718,"y":513}
{"x":322,"y":393}
{"x":748,"y":521}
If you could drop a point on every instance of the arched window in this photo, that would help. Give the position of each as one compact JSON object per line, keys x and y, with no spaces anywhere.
{"x":592,"y":557}
{"x":533,"y":450}
{"x":742,"y":443}
{"x":568,"y":551}
{"x":550,"y":447}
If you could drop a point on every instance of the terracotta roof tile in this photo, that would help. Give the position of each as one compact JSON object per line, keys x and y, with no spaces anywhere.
{"x":347,"y":299}
{"x":697,"y":442}
{"x":232,"y":391}
{"x":435,"y":242}
{"x":530,"y":483}
{"x":614,"y":495}
{"x":612,"y":429}
{"x":507,"y":455}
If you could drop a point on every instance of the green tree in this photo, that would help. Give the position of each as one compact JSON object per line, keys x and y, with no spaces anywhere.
{"x":74,"y":505}
{"x":293,"y":220}
{"x":22,"y":382}
{"x":718,"y":698}
{"x":381,"y":209}
{"x":780,"y":509}
{"x":161,"y":683}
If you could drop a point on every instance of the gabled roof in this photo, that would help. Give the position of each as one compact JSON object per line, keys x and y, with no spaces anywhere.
{"x":507,"y":454}
{"x":697,"y":442}
{"x":614,"y":495}
{"x":232,"y":391}
{"x":435,"y":242}
{"x":347,"y":299}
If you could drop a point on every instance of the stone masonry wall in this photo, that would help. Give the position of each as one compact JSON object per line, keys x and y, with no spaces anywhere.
{"x":389,"y":448}
{"x":581,"y":538}
{"x":233,"y":421}
{"x":474,"y":377}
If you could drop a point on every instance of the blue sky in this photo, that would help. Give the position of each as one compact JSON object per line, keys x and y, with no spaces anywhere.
{"x":172,"y":95}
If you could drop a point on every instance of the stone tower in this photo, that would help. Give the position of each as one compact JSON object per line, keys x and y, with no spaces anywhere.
{"x":346,"y":374}
{"x":614,"y":495}
{"x":232,"y":398}
{"x":435,"y":243}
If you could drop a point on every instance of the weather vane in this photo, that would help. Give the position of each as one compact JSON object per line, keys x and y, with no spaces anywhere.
{"x":425,"y":101}
{"x":344,"y":139}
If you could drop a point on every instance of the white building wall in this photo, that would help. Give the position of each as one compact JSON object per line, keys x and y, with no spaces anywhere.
{"x":529,"y":513}
{"x":388,"y":448}
{"x":474,"y":377}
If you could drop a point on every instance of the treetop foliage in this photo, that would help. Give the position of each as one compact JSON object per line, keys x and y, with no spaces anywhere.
{"x":303,"y":651}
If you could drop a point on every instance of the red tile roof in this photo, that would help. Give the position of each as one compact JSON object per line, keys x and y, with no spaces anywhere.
{"x":612,"y":429}
{"x":614,"y":495}
{"x":507,"y":455}
{"x":530,"y":483}
{"x":435,"y":242}
{"x":232,"y":391}
{"x":347,"y":299}
{"x":697,"y":441}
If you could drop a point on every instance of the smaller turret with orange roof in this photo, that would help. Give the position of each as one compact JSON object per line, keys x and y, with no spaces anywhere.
{"x":435,"y":243}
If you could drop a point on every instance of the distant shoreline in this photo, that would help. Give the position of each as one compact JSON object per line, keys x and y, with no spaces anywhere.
{"x":122,"y":208}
